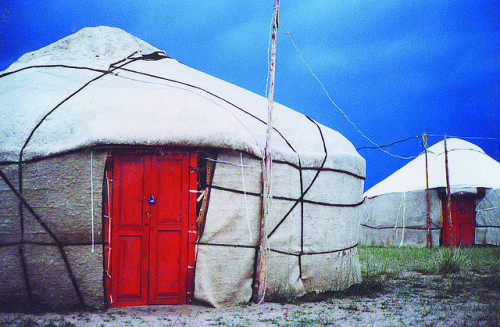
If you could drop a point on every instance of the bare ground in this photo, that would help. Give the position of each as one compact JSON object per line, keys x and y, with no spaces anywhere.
{"x":406,"y":299}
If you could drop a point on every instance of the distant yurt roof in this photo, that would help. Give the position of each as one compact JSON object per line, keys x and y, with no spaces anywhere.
{"x":468,"y":166}
{"x":104,"y":86}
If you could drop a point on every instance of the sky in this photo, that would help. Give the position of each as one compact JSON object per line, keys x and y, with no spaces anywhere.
{"x":395,"y":68}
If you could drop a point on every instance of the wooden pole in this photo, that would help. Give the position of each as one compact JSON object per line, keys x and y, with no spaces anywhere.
{"x":260,"y":278}
{"x":429,"y":239}
{"x":448,"y":192}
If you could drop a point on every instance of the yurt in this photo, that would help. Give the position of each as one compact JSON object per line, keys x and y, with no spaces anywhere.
{"x":128,"y":178}
{"x":402,"y":211}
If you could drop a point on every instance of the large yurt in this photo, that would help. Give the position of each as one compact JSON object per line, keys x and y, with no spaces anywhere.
{"x":128,"y":178}
{"x":402,"y":211}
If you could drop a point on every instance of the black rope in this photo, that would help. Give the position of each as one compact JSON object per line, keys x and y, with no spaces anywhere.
{"x":53,"y":66}
{"x":227,"y":245}
{"x":19,"y":193}
{"x":112,"y":68}
{"x":400,"y":227}
{"x":25,"y":274}
{"x":209,"y":93}
{"x":52,"y":235}
{"x":49,"y":244}
{"x":314,"y":253}
{"x":487,"y":226}
{"x":274,"y":250}
{"x":307,"y":189}
{"x":220,"y":188}
{"x":388,"y":145}
{"x":62,"y":102}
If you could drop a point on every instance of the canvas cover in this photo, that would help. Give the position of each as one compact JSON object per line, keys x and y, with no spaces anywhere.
{"x":313,"y":249}
{"x":395,"y":210}
{"x":63,"y":107}
{"x":145,"y":102}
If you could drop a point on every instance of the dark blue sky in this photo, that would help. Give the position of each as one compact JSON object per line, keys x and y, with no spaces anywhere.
{"x":397,"y":68}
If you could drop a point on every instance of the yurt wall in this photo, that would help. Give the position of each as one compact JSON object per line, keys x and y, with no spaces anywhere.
{"x":400,"y":219}
{"x":487,"y":228}
{"x":312,"y":231}
{"x":50,"y":249}
{"x":312,"y":238}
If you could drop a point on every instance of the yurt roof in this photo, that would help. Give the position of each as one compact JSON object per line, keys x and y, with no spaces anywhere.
{"x":72,"y":95}
{"x":468,"y":166}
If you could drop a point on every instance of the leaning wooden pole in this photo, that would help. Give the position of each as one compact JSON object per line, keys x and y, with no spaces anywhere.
{"x":429,"y":239}
{"x":260,"y":279}
{"x":448,"y":192}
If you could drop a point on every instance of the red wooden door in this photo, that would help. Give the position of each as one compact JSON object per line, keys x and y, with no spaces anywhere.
{"x":152,"y":211}
{"x":462,"y":222}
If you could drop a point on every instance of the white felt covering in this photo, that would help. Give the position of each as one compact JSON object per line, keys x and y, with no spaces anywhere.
{"x":179,"y":107}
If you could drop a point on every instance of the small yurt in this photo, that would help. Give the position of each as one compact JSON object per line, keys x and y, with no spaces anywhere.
{"x":128,"y":178}
{"x":401,"y":211}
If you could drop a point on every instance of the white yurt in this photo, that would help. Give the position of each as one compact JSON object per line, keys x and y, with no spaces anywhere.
{"x":128,"y":178}
{"x":395,"y":210}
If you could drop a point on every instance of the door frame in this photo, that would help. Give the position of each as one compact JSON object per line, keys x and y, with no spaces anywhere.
{"x":108,"y":211}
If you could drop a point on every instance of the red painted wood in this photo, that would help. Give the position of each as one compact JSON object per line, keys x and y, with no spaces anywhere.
{"x":130,"y":231}
{"x":192,"y":228}
{"x":168,"y":268}
{"x":462,"y":222}
{"x":150,"y":242}
{"x":465,"y":210}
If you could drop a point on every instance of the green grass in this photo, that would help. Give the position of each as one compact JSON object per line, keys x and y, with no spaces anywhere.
{"x":395,"y":260}
{"x":381,"y":263}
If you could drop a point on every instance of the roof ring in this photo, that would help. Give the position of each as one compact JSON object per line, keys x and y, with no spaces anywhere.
{"x":157,"y":55}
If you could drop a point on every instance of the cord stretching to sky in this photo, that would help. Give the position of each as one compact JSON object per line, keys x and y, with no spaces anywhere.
{"x":336,"y":106}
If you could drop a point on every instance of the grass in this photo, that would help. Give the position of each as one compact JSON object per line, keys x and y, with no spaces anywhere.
{"x":433,"y":281}
{"x":394,"y":260}
{"x":378,"y":264}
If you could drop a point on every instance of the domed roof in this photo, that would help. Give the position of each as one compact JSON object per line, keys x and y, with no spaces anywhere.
{"x":468,"y":166}
{"x":104,"y":86}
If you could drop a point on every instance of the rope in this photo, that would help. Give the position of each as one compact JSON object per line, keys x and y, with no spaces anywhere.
{"x":301,"y":199}
{"x":232,"y":164}
{"x":245,"y":197}
{"x":336,"y":106}
{"x":53,"y":66}
{"x":52,"y":235}
{"x":211,"y":94}
{"x":23,"y":201}
{"x":390,"y":144}
{"x":92,"y":197}
{"x":274,"y":250}
{"x":403,"y":220}
{"x":396,"y":227}
{"x":468,"y":137}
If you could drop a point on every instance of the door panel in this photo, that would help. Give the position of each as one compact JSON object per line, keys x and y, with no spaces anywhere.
{"x":168,"y":269}
{"x":130,"y":278}
{"x":131,"y":179}
{"x":130,"y":235}
{"x":465,"y":215}
{"x":166,"y":284}
{"x":462,"y":221}
{"x":170,"y":189}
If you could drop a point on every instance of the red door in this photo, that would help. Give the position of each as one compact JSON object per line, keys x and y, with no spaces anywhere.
{"x":151,"y":217}
{"x":462,"y":221}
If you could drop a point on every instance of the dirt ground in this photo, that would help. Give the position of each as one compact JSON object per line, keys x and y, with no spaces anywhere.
{"x":409,"y":299}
